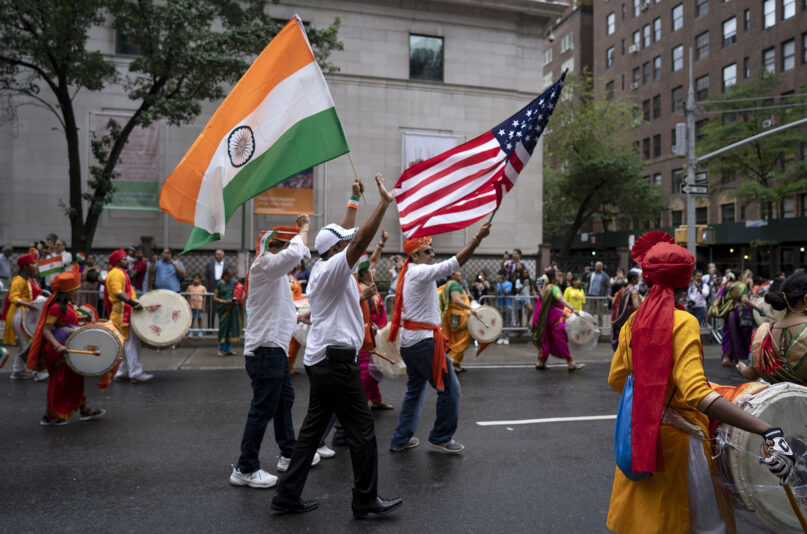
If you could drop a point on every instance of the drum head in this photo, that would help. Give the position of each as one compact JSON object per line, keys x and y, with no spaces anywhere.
{"x":391,"y":351}
{"x":97,"y":338}
{"x":784,"y":405}
{"x":164,"y":320}
{"x":489,"y":328}
{"x":771,"y":315}
{"x":582,"y":329}
{"x":30,"y":318}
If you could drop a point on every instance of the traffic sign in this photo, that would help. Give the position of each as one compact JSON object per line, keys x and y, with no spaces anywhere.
{"x":701,"y":177}
{"x":688,"y":189}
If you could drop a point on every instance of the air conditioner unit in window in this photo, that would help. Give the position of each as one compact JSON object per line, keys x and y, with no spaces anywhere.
{"x":634,"y":86}
{"x":633,"y":49}
{"x":645,"y":6}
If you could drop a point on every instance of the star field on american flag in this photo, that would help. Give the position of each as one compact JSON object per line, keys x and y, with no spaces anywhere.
{"x":527,"y":125}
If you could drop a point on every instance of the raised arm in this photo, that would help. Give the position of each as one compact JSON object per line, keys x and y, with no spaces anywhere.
{"x":353,"y":206}
{"x":465,"y":254}
{"x":378,"y":248}
{"x":367,"y":230}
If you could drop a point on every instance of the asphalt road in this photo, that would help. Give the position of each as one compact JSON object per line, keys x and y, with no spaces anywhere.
{"x":159,"y":460}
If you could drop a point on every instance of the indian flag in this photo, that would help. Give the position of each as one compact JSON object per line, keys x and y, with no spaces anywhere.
{"x":50,"y":266}
{"x":262,"y":242}
{"x":364,"y":261}
{"x":278,"y":120}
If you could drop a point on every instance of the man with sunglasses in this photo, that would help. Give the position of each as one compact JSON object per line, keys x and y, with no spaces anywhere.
{"x":423,"y":345}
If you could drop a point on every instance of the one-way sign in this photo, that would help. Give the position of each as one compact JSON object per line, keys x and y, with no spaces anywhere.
{"x":695,"y":189}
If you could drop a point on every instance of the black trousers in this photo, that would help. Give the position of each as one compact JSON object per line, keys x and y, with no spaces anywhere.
{"x":336,"y":388}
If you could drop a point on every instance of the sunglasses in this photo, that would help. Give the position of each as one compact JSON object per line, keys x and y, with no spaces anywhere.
{"x":428,"y":251}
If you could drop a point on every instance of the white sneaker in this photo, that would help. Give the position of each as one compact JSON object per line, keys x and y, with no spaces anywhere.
{"x":258,"y":479}
{"x":283,"y":462}
{"x":41,"y":376}
{"x":506,"y":341}
{"x":142,"y":378}
{"x":326,"y":452}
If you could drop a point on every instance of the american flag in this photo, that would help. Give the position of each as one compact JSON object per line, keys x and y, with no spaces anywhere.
{"x":457,"y":188}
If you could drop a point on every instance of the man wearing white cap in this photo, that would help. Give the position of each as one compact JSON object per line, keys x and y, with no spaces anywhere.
{"x":337,"y":333}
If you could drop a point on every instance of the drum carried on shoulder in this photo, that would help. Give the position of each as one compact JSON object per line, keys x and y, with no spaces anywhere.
{"x":164,"y":320}
{"x":93,"y":349}
{"x":488,"y":327}
{"x":387,"y":356}
{"x":30,"y":318}
{"x":753,"y":487}
{"x":582,"y":331}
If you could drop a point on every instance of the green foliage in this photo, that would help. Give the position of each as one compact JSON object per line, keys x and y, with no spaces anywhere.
{"x":191,"y":51}
{"x":767,"y":170}
{"x":596,"y":170}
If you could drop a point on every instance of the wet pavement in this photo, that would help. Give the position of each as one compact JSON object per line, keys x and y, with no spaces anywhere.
{"x":159,"y":459}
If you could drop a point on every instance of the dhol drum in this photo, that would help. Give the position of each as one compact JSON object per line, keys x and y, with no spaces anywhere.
{"x":300,"y":333}
{"x":94,"y":349}
{"x":582,"y":331}
{"x":770,"y":316}
{"x":488,"y":327}
{"x":164,"y":320}
{"x":739,"y":453}
{"x":30,"y":318}
{"x":391,"y":364}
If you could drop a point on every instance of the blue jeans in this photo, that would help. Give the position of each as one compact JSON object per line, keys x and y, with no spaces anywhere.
{"x":272,"y":398}
{"x":418,"y":360}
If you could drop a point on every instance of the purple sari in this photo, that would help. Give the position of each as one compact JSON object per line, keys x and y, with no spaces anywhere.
{"x":738,"y":326}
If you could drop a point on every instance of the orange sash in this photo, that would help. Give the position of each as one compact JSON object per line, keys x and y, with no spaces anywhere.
{"x":441,"y":345}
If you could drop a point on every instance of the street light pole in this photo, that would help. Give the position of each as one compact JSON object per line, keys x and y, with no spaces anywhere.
{"x":691,"y":162}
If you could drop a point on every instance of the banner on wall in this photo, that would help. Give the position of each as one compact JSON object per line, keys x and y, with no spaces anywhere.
{"x":292,"y":196}
{"x":418,"y":146}
{"x":138,"y":184}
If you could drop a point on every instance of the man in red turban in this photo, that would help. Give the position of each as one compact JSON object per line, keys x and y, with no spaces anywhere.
{"x":423,"y":345}
{"x":22,"y":292}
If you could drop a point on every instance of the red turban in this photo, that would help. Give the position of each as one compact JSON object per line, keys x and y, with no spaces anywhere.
{"x":666,"y":266}
{"x":116,"y":256}
{"x":410,"y":247}
{"x":26,"y":259}
{"x":415,"y":245}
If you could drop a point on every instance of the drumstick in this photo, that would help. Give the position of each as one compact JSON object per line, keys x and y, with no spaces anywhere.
{"x":795,"y":505}
{"x":93,"y":352}
{"x":384,"y":357}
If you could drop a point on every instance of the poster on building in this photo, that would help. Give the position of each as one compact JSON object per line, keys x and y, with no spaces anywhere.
{"x":293,"y":195}
{"x":138,"y":184}
{"x":419,"y":146}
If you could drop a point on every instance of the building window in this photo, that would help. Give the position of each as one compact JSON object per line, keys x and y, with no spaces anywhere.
{"x":702,"y":45}
{"x":678,"y":58}
{"x":637,"y":39}
{"x":678,"y":17}
{"x":656,"y":107}
{"x":657,"y":29}
{"x":769,"y":60}
{"x":746,"y":67}
{"x":623,"y":47}
{"x":646,"y":148}
{"x":804,"y":47}
{"x":788,"y":208}
{"x":646,"y":110}
{"x":646,"y":35}
{"x":702,"y":88}
{"x":657,"y":178}
{"x":567,"y":42}
{"x":636,"y":77}
{"x":729,"y":75}
{"x":727,"y":213}
{"x":426,"y":58}
{"x":677,"y":181}
{"x":676,"y":218}
{"x":657,"y":68}
{"x":610,"y":24}
{"x":672,"y":140}
{"x":727,"y":176}
{"x":637,"y":6}
{"x":788,"y":9}
{"x":657,"y":146}
{"x":788,"y":55}
{"x":609,"y":57}
{"x":701,"y":7}
{"x":729,"y":32}
{"x":124,"y":46}
{"x":609,"y":90}
{"x":567,"y":65}
{"x":702,"y":215}
{"x":623,"y":11}
{"x":548,"y":56}
{"x":549,"y":79}
{"x":646,"y":73}
{"x":677,"y":98}
{"x":699,"y":129}
{"x":747,"y":19}
{"x":768,"y":13}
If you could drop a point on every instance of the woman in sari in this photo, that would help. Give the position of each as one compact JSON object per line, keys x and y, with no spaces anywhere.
{"x":23,"y":290}
{"x":374,"y":316}
{"x":229,"y":314}
{"x":548,"y":330}
{"x":626,"y":301}
{"x":738,"y":325}
{"x":779,"y":349}
{"x":57,"y":321}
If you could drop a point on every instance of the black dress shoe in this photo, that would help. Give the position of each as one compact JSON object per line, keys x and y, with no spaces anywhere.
{"x":378,"y":506}
{"x":283,"y":505}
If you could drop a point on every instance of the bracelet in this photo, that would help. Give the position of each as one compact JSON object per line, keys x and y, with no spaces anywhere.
{"x":353,"y":202}
{"x":478,"y":241}
{"x":380,"y":245}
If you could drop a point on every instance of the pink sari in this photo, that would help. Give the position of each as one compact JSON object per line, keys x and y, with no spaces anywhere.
{"x":548,"y":330}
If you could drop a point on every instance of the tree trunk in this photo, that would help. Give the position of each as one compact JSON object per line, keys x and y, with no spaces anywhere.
{"x":579,"y":218}
{"x":75,"y":211}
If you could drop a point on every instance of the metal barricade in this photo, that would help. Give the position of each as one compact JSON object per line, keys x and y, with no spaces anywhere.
{"x":516,"y":310}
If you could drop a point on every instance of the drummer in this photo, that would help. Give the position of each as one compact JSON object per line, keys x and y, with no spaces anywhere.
{"x":66,"y":388}
{"x":454,"y":310}
{"x":660,"y":346}
{"x":119,"y":299}
{"x":23,"y":290}
{"x":423,"y":345}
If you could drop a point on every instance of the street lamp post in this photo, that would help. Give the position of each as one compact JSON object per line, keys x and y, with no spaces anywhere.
{"x":691,"y":162}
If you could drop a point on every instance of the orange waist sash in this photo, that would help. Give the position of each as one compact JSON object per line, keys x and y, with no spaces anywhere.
{"x":441,"y":345}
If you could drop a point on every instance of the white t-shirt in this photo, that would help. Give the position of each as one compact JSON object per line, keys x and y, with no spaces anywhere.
{"x":420,"y":300}
{"x":218,"y":268}
{"x":271,"y":315}
{"x":336,"y":317}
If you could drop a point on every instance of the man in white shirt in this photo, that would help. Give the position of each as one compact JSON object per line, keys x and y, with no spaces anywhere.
{"x":59,"y":249}
{"x":271,"y":318}
{"x":331,"y":362}
{"x":423,"y":346}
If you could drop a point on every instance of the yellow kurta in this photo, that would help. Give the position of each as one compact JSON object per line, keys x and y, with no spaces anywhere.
{"x":116,"y":283}
{"x":19,"y":289}
{"x":660,"y":503}
{"x":455,"y":323}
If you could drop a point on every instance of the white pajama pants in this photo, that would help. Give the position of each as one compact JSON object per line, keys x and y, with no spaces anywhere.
{"x":130,"y":366}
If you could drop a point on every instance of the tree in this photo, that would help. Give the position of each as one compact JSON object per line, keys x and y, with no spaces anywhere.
{"x":767,"y":170}
{"x":190,"y":51}
{"x":594,"y":171}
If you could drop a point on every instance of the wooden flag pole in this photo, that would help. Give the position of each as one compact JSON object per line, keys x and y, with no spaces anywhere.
{"x":795,"y":505}
{"x":356,"y":174}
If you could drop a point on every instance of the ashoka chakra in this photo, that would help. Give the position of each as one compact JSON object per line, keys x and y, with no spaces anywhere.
{"x":240,"y":146}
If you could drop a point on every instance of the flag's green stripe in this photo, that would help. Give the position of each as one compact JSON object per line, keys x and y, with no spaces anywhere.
{"x":311,"y":141}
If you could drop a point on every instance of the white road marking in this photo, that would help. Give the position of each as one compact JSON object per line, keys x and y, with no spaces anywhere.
{"x":547,"y":420}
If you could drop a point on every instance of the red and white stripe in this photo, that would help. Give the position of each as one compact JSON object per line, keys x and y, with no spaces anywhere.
{"x":456,"y":188}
